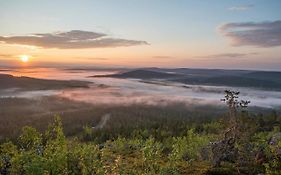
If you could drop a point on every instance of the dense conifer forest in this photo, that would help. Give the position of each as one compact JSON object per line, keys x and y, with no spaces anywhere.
{"x":154,"y":142}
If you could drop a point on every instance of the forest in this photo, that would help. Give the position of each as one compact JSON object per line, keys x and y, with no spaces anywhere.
{"x":140,"y":139}
{"x":140,"y":87}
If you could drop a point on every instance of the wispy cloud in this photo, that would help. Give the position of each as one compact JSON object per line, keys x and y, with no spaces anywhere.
{"x":263,"y":34}
{"x":5,"y":55}
{"x":74,"y":39}
{"x":91,"y":58}
{"x":163,"y":57}
{"x":228,"y":55}
{"x":241,"y":7}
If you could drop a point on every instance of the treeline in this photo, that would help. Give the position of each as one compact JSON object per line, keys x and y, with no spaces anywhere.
{"x":76,"y":116}
{"x":156,"y":145}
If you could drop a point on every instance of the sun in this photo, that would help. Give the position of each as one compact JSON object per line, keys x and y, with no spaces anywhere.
{"x":24,"y":58}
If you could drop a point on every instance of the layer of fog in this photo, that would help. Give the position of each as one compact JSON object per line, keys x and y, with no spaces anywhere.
{"x":18,"y":93}
{"x":131,"y":91}
{"x":104,"y":119}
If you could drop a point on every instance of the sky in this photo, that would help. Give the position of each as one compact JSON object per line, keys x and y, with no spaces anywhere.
{"x":229,"y":34}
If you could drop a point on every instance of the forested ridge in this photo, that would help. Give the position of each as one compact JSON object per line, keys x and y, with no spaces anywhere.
{"x":159,"y":145}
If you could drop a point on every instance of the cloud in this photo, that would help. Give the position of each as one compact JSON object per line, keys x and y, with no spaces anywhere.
{"x":231,"y":55}
{"x":228,"y":55}
{"x":74,"y":39}
{"x":264,"y":34}
{"x":91,"y":58}
{"x":163,"y":57}
{"x":241,"y":7}
{"x":5,"y":55}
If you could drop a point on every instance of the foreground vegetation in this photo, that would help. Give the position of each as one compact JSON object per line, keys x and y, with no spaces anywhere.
{"x":151,"y":143}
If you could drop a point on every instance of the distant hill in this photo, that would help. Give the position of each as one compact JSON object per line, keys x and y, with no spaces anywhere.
{"x":200,"y":72}
{"x":215,"y":77}
{"x":245,"y":81}
{"x":27,"y":83}
{"x":142,"y":74}
{"x":274,"y":76}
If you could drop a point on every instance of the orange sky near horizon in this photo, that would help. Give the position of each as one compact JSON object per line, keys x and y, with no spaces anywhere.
{"x":133,"y":56}
{"x":197,"y":34}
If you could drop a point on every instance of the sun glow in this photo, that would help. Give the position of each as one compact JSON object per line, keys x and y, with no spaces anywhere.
{"x":24,"y":58}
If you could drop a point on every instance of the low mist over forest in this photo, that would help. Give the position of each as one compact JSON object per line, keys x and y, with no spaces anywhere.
{"x":138,"y":123}
{"x":147,"y":87}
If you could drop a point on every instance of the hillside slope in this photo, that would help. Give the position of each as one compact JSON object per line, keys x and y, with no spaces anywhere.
{"x":27,"y":83}
{"x":215,"y":77}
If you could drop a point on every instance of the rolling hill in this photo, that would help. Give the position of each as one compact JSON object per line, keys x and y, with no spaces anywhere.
{"x":215,"y":77}
{"x":27,"y":83}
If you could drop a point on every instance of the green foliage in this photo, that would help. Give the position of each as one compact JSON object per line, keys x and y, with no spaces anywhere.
{"x":151,"y":155}
{"x":213,"y":127}
{"x":30,"y":139}
{"x":83,"y":159}
{"x":189,"y":147}
{"x":87,"y":133}
{"x":8,"y":151}
{"x":160,"y":148}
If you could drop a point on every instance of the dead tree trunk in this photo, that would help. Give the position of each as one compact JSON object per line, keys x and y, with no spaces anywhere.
{"x":224,"y":150}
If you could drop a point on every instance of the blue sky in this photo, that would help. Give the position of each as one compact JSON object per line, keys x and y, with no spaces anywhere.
{"x":182,"y":30}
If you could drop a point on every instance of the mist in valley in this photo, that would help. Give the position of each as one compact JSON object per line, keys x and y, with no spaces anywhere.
{"x":114,"y":91}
